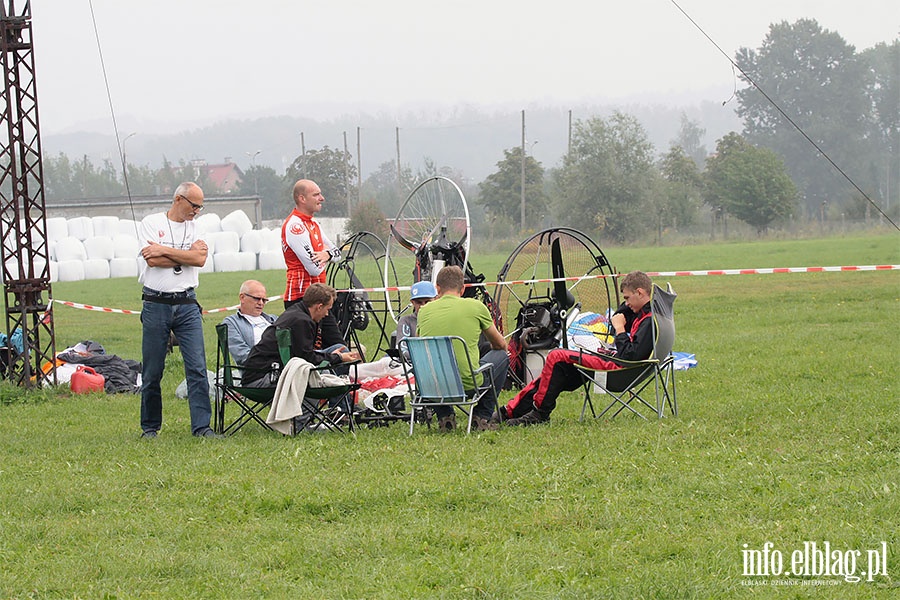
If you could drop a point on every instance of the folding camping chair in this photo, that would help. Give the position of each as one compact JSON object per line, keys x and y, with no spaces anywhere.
{"x":327,"y":407}
{"x":629,"y":386}
{"x":435,"y":380}
{"x":250,"y":401}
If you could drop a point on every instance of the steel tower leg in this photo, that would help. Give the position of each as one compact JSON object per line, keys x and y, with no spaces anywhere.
{"x":23,"y":224}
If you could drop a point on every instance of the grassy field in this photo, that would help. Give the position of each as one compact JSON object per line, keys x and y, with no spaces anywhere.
{"x":788,"y":432}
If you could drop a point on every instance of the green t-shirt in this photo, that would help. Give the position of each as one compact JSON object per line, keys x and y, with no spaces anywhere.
{"x":452,"y":315}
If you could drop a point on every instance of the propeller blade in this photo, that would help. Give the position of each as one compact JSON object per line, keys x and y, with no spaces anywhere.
{"x":402,"y":240}
{"x":560,"y":293}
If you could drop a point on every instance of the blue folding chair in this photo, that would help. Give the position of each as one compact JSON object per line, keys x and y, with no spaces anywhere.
{"x":433,"y":377}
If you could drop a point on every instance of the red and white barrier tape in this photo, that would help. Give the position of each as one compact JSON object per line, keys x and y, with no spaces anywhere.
{"x":776,"y":270}
{"x":123,"y":311}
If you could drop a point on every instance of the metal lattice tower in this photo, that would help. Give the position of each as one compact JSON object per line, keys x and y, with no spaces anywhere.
{"x":23,"y":223}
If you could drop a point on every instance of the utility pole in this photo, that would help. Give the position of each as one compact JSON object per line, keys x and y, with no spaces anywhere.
{"x":347,"y":174}
{"x":358,"y":164}
{"x":303,"y":155}
{"x":125,"y":156}
{"x":522,"y":182}
{"x":399,"y":171}
{"x":252,"y":156}
{"x":125,"y":163}
{"x":569,"y":146}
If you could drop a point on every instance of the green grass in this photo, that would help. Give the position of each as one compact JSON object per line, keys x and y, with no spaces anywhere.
{"x":788,"y":432}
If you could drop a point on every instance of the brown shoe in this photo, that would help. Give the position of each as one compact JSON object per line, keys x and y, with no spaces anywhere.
{"x":482,"y":424}
{"x":447,"y":424}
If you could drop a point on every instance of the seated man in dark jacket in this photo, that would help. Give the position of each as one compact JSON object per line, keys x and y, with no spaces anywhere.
{"x":264,"y":362}
{"x":634,"y":341}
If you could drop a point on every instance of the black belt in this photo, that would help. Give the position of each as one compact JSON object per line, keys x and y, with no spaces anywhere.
{"x":185,"y":297}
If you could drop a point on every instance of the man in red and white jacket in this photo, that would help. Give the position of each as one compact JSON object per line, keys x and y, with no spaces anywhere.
{"x":307,"y":252}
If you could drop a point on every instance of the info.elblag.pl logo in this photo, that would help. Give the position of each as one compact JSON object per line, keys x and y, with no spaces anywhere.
{"x":816,"y":560}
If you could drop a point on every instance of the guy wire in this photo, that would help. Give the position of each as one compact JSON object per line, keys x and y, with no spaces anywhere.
{"x":112,"y":113}
{"x":785,"y":115}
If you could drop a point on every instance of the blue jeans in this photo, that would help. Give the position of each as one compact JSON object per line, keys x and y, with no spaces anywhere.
{"x":184,"y":320}
{"x":499,"y":360}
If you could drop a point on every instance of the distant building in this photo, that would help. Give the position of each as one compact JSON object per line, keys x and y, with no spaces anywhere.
{"x":224,"y":178}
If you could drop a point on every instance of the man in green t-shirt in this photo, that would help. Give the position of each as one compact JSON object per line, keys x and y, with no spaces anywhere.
{"x":451,"y":314}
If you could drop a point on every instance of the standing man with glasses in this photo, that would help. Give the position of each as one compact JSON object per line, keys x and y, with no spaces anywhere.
{"x":307,"y":252}
{"x":246,"y":326}
{"x":169,"y":266}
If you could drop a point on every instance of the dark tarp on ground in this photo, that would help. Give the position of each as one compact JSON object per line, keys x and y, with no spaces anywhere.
{"x":121,"y":374}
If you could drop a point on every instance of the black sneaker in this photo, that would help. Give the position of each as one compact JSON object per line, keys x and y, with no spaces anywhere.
{"x":149,"y":434}
{"x":206,"y":432}
{"x":533,"y":417}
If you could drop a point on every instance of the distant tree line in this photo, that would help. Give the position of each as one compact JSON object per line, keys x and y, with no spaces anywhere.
{"x":612,"y":181}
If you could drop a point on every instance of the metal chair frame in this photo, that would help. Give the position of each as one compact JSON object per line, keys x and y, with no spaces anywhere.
{"x":432,"y":374}
{"x":627,"y":384}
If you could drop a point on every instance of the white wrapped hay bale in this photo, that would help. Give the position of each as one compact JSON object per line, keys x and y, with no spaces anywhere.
{"x":57,"y":228}
{"x":208,"y":223}
{"x":247,"y":260}
{"x":271,"y":240}
{"x":54,"y":271}
{"x":99,"y":247}
{"x":238,"y":222}
{"x":125,"y":246}
{"x":252,"y":241}
{"x":80,"y":228}
{"x":12,"y":265}
{"x":223,"y":241}
{"x":210,"y":265}
{"x":128,"y":227}
{"x":71,"y":270}
{"x":123,"y":267}
{"x":70,"y":248}
{"x":105,"y":226}
{"x":96,"y":268}
{"x":227,"y":262}
{"x":271,"y":260}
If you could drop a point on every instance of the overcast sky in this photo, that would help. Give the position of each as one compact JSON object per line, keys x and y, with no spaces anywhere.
{"x":177,"y":63}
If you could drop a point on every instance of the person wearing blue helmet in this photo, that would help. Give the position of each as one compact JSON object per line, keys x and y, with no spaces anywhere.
{"x":420,"y":294}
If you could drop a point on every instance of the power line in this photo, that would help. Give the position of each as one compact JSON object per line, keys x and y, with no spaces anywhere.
{"x":112,"y":113}
{"x":785,"y":115}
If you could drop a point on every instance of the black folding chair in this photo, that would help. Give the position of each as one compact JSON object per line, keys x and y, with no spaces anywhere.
{"x":630,"y":386}
{"x":250,"y":401}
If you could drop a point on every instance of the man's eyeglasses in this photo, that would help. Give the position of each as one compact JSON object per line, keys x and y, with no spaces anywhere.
{"x":257,"y":298}
{"x":196,"y":207}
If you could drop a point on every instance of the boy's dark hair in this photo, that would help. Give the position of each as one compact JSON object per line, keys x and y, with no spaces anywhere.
{"x":635,"y":280}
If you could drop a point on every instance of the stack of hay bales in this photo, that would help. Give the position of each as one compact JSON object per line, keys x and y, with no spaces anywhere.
{"x":105,"y":247}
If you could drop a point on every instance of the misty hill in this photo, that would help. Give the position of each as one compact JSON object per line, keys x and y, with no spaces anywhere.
{"x":468,"y":139}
